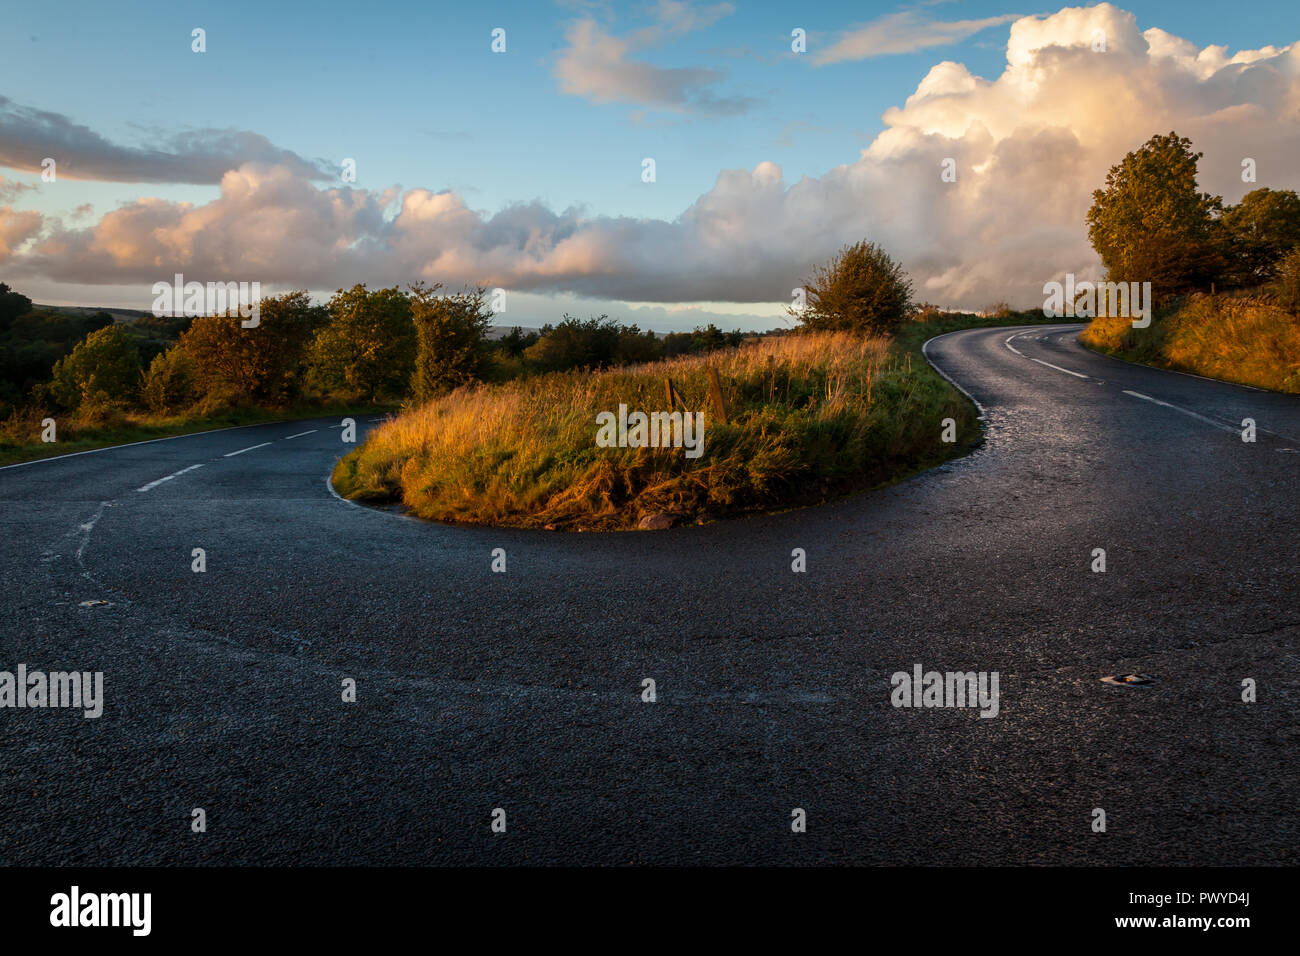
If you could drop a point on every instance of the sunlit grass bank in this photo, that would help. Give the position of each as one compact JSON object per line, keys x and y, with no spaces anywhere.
{"x":811,"y":417}
{"x":1236,"y":339}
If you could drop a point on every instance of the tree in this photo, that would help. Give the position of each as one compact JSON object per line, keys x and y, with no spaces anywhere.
{"x":451,"y":337}
{"x":12,"y":305}
{"x":368,"y":347}
{"x":1151,"y":224}
{"x":861,"y":289}
{"x":1261,"y":229}
{"x":169,"y":385}
{"x":104,"y":369}
{"x":261,"y":365}
{"x":1286,"y":287}
{"x":514,"y":342}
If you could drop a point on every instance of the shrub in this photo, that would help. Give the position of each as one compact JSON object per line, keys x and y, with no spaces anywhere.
{"x":860,"y":290}
{"x":169,"y":385}
{"x":1286,"y":286}
{"x":451,"y":335}
{"x":367,"y":349}
{"x":103,"y":369}
{"x":262,"y":364}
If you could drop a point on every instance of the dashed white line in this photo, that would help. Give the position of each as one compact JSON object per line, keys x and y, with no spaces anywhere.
{"x":232,"y":454}
{"x":1067,"y":371}
{"x":1185,"y":411}
{"x":155,"y":484}
{"x":300,"y":434}
{"x":1057,"y":367}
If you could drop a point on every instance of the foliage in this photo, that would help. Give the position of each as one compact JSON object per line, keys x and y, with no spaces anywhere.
{"x":450,"y":339}
{"x":861,"y":289}
{"x":367,"y":349}
{"x":1151,"y":223}
{"x":103,"y":369}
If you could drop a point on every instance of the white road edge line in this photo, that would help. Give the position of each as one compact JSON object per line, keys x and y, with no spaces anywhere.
{"x":925,"y":353}
{"x":155,"y":484}
{"x":232,"y":454}
{"x":300,"y":434}
{"x":1185,"y":411}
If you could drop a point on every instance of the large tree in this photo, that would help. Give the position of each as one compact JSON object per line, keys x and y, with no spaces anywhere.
{"x":861,"y":289}
{"x":451,"y":332}
{"x":368,"y":348}
{"x":1260,"y":230}
{"x":103,"y":369}
{"x":1152,"y":224}
{"x":263,"y":364}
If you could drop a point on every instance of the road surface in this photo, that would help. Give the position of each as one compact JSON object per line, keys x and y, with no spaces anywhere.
{"x":523,"y":690}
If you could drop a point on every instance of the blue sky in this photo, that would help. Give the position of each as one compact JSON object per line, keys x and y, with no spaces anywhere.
{"x":414,"y":94}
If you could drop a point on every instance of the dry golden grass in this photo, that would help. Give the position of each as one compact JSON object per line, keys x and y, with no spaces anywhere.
{"x":1236,"y":339}
{"x":811,"y":416}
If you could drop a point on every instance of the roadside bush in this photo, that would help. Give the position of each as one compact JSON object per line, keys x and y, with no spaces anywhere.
{"x":103,"y":370}
{"x":451,"y":335}
{"x":169,"y":385}
{"x":861,"y":290}
{"x":1286,"y":287}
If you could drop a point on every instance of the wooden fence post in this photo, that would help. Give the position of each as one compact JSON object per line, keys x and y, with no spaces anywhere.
{"x":715,"y":392}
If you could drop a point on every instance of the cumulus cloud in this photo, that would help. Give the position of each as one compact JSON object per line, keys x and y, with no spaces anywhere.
{"x":15,"y":229}
{"x":28,"y":136}
{"x":1029,"y":147}
{"x":597,"y":65}
{"x":903,"y":32}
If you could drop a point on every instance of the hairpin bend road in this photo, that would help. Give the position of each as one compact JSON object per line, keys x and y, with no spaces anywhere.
{"x":522,"y":690}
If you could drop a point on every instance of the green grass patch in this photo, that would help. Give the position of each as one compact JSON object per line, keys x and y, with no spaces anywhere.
{"x":811,"y":418}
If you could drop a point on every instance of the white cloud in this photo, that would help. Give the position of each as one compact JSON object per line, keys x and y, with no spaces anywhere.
{"x":597,"y":64}
{"x":1030,"y":147}
{"x":903,"y":32}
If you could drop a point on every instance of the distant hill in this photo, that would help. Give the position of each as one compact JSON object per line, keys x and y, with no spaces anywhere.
{"x":83,"y":311}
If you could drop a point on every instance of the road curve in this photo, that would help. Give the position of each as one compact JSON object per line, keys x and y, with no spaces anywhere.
{"x":479,"y":690}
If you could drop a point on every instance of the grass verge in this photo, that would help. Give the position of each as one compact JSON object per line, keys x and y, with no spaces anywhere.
{"x":1231,"y":338}
{"x":811,"y":417}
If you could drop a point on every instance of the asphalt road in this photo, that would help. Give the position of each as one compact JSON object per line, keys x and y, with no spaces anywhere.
{"x":522,"y":690}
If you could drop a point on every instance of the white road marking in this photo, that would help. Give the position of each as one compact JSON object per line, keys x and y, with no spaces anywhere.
{"x":232,"y":454}
{"x":150,"y":441}
{"x":1057,"y":367}
{"x":175,"y":474}
{"x":1008,"y":344}
{"x":925,"y":353}
{"x":1185,"y":411}
{"x":300,"y":434}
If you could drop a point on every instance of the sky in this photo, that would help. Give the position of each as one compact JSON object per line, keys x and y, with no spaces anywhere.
{"x":525,"y":169}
